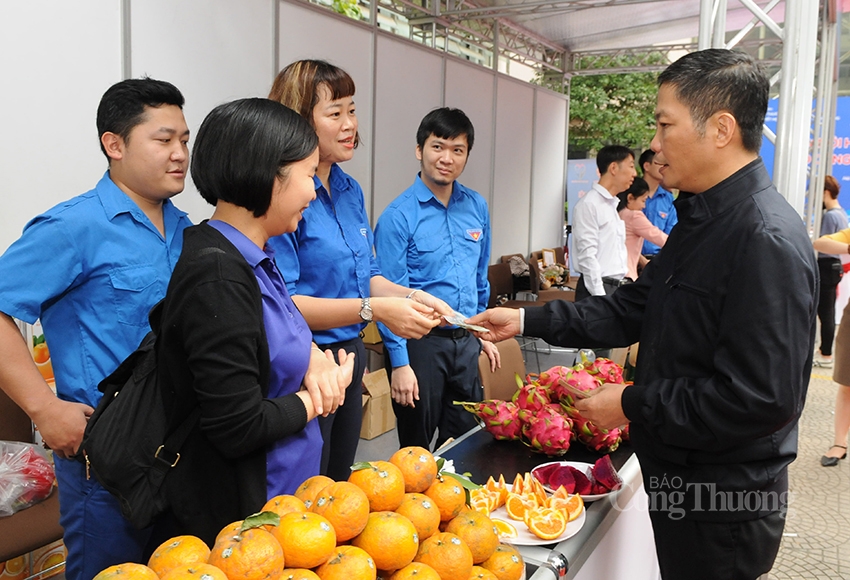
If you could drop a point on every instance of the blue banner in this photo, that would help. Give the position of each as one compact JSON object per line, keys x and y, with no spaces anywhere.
{"x":840,"y":167}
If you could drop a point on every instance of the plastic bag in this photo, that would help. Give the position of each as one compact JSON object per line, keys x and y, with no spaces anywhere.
{"x":26,"y":477}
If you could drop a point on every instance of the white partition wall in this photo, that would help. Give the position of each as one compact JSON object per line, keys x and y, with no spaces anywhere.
{"x":306,"y":33}
{"x":213,"y":52}
{"x":548,"y":170}
{"x":408,"y":84}
{"x":57,"y":60}
{"x":511,"y":205}
{"x":59,"y":57}
{"x":471,"y":89}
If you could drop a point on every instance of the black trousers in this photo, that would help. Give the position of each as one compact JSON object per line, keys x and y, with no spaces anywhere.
{"x":582,"y":292}
{"x":698,"y":550}
{"x":830,"y":275}
{"x":341,"y":429}
{"x":446,"y":368}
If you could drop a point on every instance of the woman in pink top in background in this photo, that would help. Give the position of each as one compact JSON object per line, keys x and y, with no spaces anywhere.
{"x":638,"y":227}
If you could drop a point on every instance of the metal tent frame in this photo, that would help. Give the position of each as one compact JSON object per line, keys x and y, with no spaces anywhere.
{"x":800,"y":41}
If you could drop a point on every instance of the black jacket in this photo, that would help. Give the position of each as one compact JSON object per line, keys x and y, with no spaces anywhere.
{"x":725,"y":316}
{"x":212,"y":352}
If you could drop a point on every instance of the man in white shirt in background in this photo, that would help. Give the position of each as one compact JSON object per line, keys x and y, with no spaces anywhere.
{"x":599,"y":235}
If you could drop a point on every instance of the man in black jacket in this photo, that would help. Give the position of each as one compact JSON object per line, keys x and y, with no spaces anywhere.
{"x":725,"y":316}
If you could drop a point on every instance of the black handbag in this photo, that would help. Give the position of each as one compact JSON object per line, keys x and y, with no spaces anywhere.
{"x":127,"y":445}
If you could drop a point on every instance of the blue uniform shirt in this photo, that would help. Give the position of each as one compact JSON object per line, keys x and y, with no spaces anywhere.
{"x":661,"y":212}
{"x":444,"y":251}
{"x":292,"y":459}
{"x":330,"y":254}
{"x":91,"y":268}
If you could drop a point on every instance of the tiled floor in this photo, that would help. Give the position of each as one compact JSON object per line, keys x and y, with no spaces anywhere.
{"x":817,"y":533}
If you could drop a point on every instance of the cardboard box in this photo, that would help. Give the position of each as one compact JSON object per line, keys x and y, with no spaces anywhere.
{"x":371,"y":334}
{"x":378,"y":416}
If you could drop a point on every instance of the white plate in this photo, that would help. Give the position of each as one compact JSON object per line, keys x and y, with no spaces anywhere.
{"x":526,"y":538}
{"x":581,"y":466}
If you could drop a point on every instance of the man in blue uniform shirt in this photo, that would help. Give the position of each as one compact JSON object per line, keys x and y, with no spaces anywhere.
{"x":91,"y":268}
{"x":659,"y":208}
{"x":435,"y":237}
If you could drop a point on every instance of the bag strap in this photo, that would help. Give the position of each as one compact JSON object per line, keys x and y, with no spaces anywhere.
{"x":168,"y":454}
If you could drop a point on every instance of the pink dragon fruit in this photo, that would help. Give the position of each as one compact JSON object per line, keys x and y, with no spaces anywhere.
{"x":552,"y":376}
{"x":546,"y":431}
{"x":531,"y":397}
{"x":498,"y":417}
{"x":577,"y":378}
{"x":606,"y":370}
{"x":593,"y":437}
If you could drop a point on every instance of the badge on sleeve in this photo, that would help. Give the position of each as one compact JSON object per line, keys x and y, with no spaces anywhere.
{"x":474,"y":234}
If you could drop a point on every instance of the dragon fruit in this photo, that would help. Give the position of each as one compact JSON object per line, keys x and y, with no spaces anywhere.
{"x":593,"y":437}
{"x":545,"y":431}
{"x":606,"y":370}
{"x":550,"y":377}
{"x":531,"y":398}
{"x":577,"y":378}
{"x":603,"y":473}
{"x":497,"y":417}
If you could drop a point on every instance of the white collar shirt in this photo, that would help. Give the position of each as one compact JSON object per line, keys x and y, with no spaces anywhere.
{"x":599,"y":239}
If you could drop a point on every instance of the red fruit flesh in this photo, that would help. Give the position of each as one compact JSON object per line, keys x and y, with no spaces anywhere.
{"x":563,"y":475}
{"x":604,"y":473}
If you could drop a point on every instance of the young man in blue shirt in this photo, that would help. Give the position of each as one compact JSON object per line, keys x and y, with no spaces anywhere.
{"x":659,"y":208}
{"x":110,"y":254}
{"x":435,"y":236}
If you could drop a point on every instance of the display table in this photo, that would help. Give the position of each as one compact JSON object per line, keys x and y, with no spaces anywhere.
{"x":616,"y":540}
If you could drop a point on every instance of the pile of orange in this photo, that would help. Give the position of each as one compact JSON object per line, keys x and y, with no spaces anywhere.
{"x":397,"y":518}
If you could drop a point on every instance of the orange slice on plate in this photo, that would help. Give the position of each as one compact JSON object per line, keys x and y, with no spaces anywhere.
{"x":481,"y":500}
{"x":504,"y":529}
{"x":546,"y":523}
{"x":517,"y":486}
{"x":561,"y":492}
{"x":499,"y":488}
{"x":572,"y":506}
{"x":517,"y":504}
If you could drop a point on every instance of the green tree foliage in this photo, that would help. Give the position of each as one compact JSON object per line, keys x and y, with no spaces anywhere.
{"x":613,"y":108}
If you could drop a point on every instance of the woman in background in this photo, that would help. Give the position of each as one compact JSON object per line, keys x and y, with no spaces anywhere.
{"x":330,"y":254}
{"x":232,"y":343}
{"x":839,"y":244}
{"x":638,"y":226}
{"x":831,"y":270}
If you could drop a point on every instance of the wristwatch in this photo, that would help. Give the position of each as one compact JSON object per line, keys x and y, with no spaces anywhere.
{"x":365,"y":310}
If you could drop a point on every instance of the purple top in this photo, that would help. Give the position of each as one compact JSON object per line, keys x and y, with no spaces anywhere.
{"x":293,"y":459}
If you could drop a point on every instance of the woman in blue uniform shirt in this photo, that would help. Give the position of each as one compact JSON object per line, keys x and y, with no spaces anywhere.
{"x":330,"y":254}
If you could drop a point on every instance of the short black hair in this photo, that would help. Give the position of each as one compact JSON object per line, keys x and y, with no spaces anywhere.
{"x":243,"y":146}
{"x":122,"y":106}
{"x":638,"y":188}
{"x":445,"y":123}
{"x":717,"y":79}
{"x":612,"y":154}
{"x":646,"y":157}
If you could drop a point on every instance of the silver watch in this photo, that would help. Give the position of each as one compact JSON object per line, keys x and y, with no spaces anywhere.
{"x":365,"y":310}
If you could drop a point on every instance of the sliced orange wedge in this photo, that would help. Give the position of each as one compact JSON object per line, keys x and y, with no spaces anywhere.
{"x":546,"y":523}
{"x":481,"y":500}
{"x":517,"y":504}
{"x":517,"y":486}
{"x":498,"y":488}
{"x":561,"y":492}
{"x":504,"y":529}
